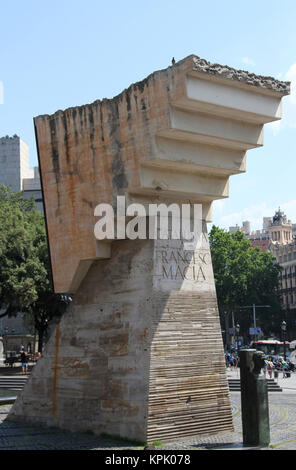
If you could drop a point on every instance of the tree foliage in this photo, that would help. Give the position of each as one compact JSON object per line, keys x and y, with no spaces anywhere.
{"x":22,"y":246}
{"x":25,"y":275}
{"x":244,"y":275}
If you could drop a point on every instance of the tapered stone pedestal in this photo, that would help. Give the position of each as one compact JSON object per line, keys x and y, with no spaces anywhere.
{"x":139,"y":354}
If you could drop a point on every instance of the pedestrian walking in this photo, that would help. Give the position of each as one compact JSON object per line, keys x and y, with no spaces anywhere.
{"x":231,"y":361}
{"x":227,"y":359}
{"x":24,"y":361}
{"x":284,"y":369}
{"x":269,"y":368}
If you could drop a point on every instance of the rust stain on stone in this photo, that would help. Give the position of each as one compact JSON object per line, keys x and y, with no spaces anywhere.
{"x":55,"y":371}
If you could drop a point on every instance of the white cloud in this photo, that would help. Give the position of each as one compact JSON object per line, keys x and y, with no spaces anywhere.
{"x":247,"y":61}
{"x":275,"y":126}
{"x":254,"y":214}
{"x":291,"y":76}
{"x":289,"y":103}
{"x":218,"y":206}
{"x":290,"y":210}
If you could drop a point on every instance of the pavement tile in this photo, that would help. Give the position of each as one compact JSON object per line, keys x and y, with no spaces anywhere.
{"x":282,"y":410}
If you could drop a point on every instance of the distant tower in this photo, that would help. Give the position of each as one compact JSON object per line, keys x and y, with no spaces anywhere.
{"x":280,"y":228}
{"x":14,"y":162}
{"x":15,"y":171}
{"x":246,"y":228}
{"x":267,"y":221}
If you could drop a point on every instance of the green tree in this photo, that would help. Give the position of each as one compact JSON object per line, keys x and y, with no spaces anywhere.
{"x":244,"y":275}
{"x":25,"y":275}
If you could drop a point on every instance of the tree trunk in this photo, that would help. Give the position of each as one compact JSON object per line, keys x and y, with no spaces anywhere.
{"x":40,"y":339}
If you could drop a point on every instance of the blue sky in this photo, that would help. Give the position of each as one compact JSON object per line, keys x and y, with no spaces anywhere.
{"x":65,"y":53}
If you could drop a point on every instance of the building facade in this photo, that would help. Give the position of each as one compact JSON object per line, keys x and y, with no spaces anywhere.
{"x":286,"y":257}
{"x":283,"y":248}
{"x":278,"y":236}
{"x":15,"y":171}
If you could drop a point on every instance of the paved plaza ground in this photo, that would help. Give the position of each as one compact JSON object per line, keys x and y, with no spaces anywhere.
{"x":282,"y":408}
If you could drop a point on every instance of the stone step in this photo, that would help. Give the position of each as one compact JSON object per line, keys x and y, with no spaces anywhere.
{"x":272,"y":386}
{"x":9,"y":379}
{"x":11,"y":386}
{"x":16,"y":383}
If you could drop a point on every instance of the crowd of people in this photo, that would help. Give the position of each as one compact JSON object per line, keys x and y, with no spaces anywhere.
{"x":273,"y":365}
{"x":231,"y":360}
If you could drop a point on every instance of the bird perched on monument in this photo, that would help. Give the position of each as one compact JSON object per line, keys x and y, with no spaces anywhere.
{"x":173,"y":61}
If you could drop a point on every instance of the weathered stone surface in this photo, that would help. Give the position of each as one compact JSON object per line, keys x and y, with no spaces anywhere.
{"x":244,"y":76}
{"x":135,"y":364}
{"x":177,"y":135}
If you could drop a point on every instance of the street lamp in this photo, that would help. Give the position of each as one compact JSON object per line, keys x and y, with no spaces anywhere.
{"x":6,"y":341}
{"x":284,"y":328}
{"x":237,"y":328}
{"x":254,"y":306}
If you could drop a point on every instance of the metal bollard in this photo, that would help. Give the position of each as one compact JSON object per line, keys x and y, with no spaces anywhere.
{"x":254,"y":399}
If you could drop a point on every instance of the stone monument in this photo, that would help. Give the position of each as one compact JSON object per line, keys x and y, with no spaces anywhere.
{"x":139,"y":353}
{"x":254,"y":399}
